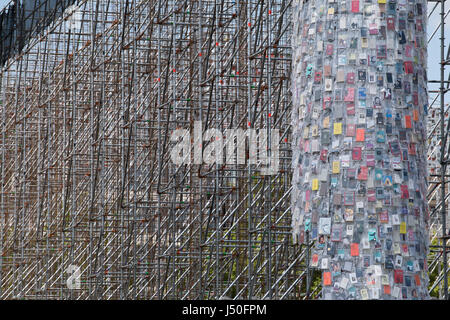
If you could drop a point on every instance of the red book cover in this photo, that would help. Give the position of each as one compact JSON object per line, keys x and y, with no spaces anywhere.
{"x":419,"y":24}
{"x":415,"y":98}
{"x":408,"y":67}
{"x":354,"y":249}
{"x":329,"y":49}
{"x":327,"y":70}
{"x":417,"y":278}
{"x":408,"y":122}
{"x":415,"y":115}
{"x":404,"y":191}
{"x":327,"y":278}
{"x":355,"y":6}
{"x":307,"y":195}
{"x":390,"y":23}
{"x":351,"y":78}
{"x":350,"y":97}
{"x":323,"y":155}
{"x":350,"y":109}
{"x":371,"y":195}
{"x":373,"y":28}
{"x":384,"y":217}
{"x":356,"y":153}
{"x":387,"y":289}
{"x":351,"y":129}
{"x":370,"y":160}
{"x":363,"y":173}
{"x":315,"y":259}
{"x":412,"y":149}
{"x":326,"y":103}
{"x":317,"y":77}
{"x":405,"y":248}
{"x":398,"y":276}
{"x":408,"y":50}
{"x":360,"y":135}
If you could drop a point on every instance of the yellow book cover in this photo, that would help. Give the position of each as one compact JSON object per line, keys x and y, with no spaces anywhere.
{"x":338,"y":128}
{"x":403,"y":227}
{"x":336,"y":166}
{"x":315,"y":184}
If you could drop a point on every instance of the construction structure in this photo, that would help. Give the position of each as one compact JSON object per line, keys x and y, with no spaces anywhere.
{"x":360,"y":102}
{"x":438,"y":149}
{"x":91,"y":205}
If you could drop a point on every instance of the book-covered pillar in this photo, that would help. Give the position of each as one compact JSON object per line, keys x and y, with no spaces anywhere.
{"x":359,"y":88}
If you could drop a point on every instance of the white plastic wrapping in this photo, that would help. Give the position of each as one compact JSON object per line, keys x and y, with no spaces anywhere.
{"x":359,"y":168}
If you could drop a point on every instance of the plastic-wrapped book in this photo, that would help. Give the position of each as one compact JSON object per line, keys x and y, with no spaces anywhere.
{"x":359,"y":88}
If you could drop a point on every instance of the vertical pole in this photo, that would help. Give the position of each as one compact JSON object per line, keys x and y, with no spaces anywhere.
{"x":249,"y":177}
{"x":308,"y":270}
{"x":443,"y":156}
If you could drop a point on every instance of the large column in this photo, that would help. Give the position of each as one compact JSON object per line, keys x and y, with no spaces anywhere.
{"x":359,"y":158}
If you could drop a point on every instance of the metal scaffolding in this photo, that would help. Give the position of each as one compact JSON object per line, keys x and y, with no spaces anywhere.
{"x":88,"y":187}
{"x":438,"y":151}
